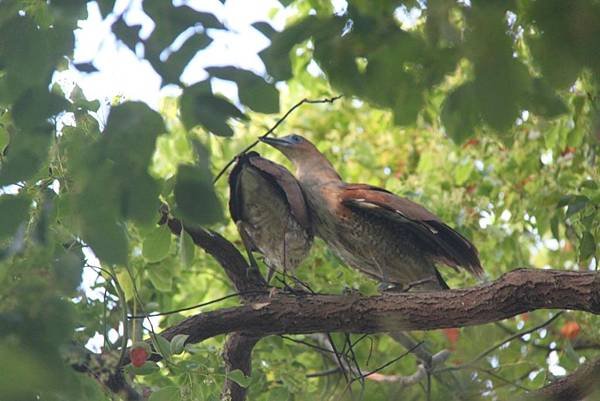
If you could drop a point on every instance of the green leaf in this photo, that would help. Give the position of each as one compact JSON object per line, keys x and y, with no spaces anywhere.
{"x":68,"y":267}
{"x":576,"y":204}
{"x":463,"y":172}
{"x":178,"y":343}
{"x":140,"y":199}
{"x":126,"y":284}
{"x":195,"y":196}
{"x":126,"y":33}
{"x":33,"y":109}
{"x":156,"y":244}
{"x":161,"y":345}
{"x":277,"y":56}
{"x":279,"y":394}
{"x":543,"y":101}
{"x":460,"y":114}
{"x":105,"y":6}
{"x":161,"y":277}
{"x":253,"y":91}
{"x":178,"y":60}
{"x":200,"y":107}
{"x":147,"y":368}
{"x":98,"y":213}
{"x":29,"y":53}
{"x":587,"y":246}
{"x":27,"y":151}
{"x":500,"y":89}
{"x":554,"y":42}
{"x":265,"y":28}
{"x":171,"y":21}
{"x":132,"y":126}
{"x":554,"y":227}
{"x":170,"y":393}
{"x":187,"y":249}
{"x":14,"y":211}
{"x":239,"y":377}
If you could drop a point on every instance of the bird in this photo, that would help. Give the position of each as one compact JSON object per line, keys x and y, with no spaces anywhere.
{"x":389,"y":238}
{"x":270,"y":212}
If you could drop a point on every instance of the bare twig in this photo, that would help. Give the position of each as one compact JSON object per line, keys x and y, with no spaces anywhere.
{"x":501,"y":343}
{"x":274,"y":127}
{"x":213,"y":301}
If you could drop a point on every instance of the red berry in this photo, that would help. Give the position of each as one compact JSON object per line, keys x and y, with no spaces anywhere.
{"x":138,"y":356}
{"x":570,"y":330}
{"x":452,"y":334}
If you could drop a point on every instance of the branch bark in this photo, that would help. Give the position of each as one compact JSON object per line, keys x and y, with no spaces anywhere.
{"x":516,"y":292}
{"x":237,"y":351}
{"x":577,"y":386}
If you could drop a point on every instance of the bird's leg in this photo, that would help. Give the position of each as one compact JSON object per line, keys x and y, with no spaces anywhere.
{"x":247,"y":241}
{"x":285,"y":260}
{"x":392,"y":287}
{"x":384,"y":284}
{"x":417,"y":283}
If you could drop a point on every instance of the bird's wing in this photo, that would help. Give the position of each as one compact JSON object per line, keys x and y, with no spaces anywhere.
{"x":235,"y":191}
{"x":288,"y":185}
{"x":281,"y":179}
{"x":447,"y":245}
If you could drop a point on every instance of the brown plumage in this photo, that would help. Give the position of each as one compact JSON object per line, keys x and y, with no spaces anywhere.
{"x":270,"y":212}
{"x":389,"y":238}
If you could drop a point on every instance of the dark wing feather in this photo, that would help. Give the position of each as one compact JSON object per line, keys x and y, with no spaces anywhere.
{"x":287,"y":184}
{"x":447,"y":245}
{"x":236,"y":201}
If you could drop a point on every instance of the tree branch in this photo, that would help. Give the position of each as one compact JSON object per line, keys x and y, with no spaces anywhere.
{"x":516,"y":292}
{"x":237,"y":354}
{"x":249,"y":283}
{"x":244,"y":279}
{"x":576,"y":386}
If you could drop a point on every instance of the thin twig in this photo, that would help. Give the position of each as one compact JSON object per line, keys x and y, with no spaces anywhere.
{"x":123,"y":302}
{"x":501,"y":343}
{"x":314,"y":346}
{"x":503,"y":379}
{"x":274,"y":127}
{"x":385,"y":365}
{"x":214,"y":301}
{"x":327,"y":372}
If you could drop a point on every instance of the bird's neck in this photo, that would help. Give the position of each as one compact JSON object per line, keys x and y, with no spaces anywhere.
{"x":318,"y":172}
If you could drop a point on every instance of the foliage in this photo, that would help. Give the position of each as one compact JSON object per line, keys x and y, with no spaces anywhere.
{"x":485,"y":111}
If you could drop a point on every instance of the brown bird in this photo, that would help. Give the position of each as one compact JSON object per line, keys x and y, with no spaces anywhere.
{"x":270,"y":212}
{"x":389,"y":238}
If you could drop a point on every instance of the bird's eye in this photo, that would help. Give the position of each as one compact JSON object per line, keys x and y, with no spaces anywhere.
{"x":295,"y":138}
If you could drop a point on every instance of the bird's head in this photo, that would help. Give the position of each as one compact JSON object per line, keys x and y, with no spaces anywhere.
{"x":302,"y":153}
{"x":294,"y":147}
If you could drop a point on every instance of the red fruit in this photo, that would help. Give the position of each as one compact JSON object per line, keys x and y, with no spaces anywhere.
{"x":138,"y":356}
{"x":568,"y":150}
{"x":452,"y":335}
{"x":570,"y":330}
{"x":471,"y":142}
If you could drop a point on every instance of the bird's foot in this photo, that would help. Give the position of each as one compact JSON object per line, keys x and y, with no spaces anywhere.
{"x":418,"y":283}
{"x":252,"y":270}
{"x":350,"y":291}
{"x":391,"y":287}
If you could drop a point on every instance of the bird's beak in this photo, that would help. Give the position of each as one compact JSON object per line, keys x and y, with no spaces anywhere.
{"x":277,"y":143}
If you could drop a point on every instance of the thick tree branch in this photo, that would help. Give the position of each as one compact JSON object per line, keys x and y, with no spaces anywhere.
{"x":577,"y":386}
{"x":244,"y":279}
{"x":237,"y":352}
{"x":516,"y":292}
